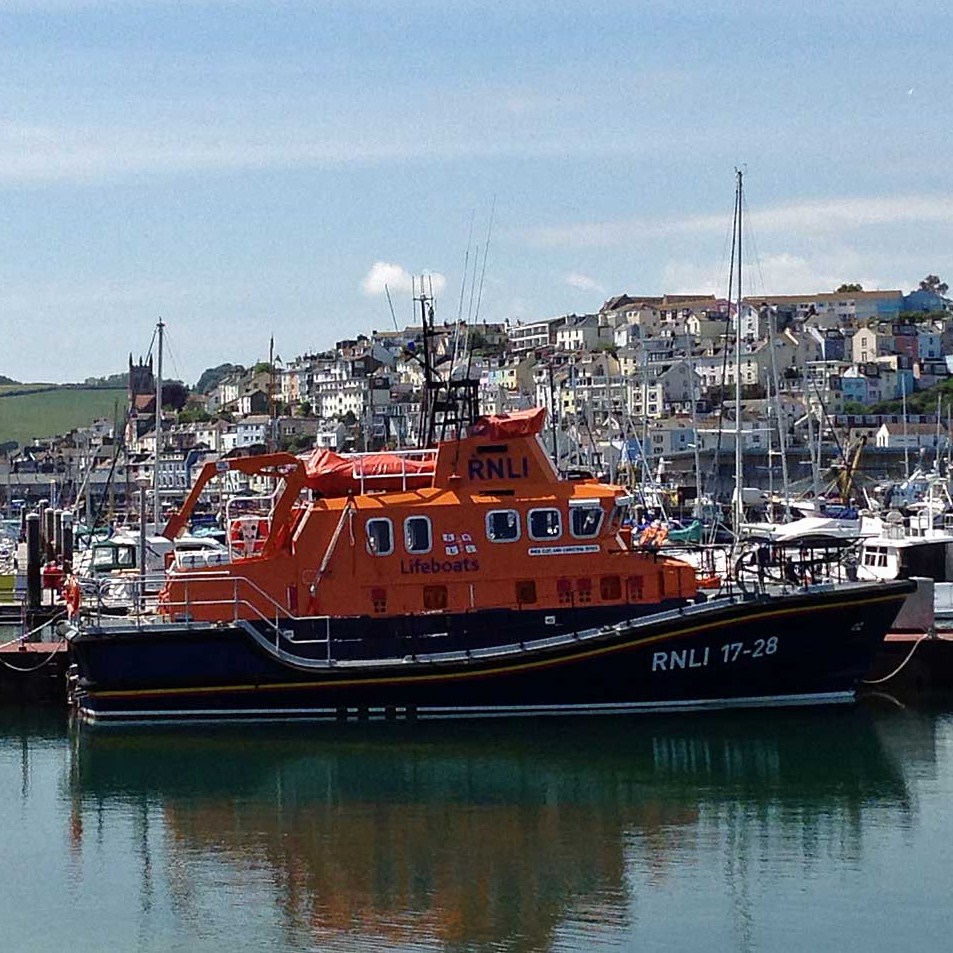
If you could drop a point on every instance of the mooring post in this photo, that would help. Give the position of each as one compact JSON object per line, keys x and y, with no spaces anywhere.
{"x":49,"y":531}
{"x":33,"y":562}
{"x":57,"y":533}
{"x":66,"y":530}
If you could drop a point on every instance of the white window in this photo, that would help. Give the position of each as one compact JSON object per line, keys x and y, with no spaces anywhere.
{"x":502,"y":526}
{"x":380,"y":536}
{"x":545,"y":524}
{"x":417,"y":534}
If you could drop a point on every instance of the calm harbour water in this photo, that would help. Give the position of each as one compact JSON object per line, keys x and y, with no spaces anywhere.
{"x":762,"y":831}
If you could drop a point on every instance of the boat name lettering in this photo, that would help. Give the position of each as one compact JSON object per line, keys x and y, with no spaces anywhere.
{"x":678,"y":659}
{"x":562,"y":550}
{"x":498,"y":468}
{"x":411,"y":567}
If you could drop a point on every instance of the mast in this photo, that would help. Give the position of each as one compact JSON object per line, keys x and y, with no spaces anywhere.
{"x":782,"y":442}
{"x":157,"y":503}
{"x":739,"y":508}
{"x":271,"y":442}
{"x":446,"y":406}
{"x":906,"y":449}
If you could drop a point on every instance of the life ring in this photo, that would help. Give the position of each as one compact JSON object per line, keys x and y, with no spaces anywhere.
{"x":72,"y":596}
{"x":708,"y":582}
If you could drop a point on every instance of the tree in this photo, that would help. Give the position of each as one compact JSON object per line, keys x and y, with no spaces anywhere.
{"x":213,"y":376}
{"x":846,"y":289}
{"x":174,"y":394}
{"x":933,"y":283}
{"x":194,"y":415}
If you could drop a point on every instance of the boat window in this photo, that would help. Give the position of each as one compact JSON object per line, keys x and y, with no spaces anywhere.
{"x":502,"y":526}
{"x":417,"y":536}
{"x":620,"y":513}
{"x":104,"y":557}
{"x":545,"y":524}
{"x":380,"y":536}
{"x":585,"y":520}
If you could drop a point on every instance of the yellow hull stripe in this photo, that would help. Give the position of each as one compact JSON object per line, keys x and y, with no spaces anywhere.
{"x":478,"y":673}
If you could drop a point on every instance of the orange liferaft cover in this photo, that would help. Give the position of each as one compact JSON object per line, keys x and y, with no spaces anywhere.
{"x":334,"y":474}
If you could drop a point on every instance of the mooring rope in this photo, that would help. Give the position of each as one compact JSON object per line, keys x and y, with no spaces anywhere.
{"x":25,"y":635}
{"x":899,"y":668}
{"x":35,"y":668}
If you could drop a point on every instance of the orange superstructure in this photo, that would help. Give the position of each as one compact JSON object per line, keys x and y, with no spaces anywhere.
{"x":484,"y":522}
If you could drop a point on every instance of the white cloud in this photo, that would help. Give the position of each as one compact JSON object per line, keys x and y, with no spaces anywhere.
{"x":785,"y":272}
{"x":582,"y":282}
{"x":386,"y":274}
{"x":820,"y":216}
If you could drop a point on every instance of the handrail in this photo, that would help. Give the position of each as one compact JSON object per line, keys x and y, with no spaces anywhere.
{"x":427,"y":455}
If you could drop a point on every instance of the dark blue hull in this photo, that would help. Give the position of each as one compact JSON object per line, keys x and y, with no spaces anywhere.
{"x":814,"y":646}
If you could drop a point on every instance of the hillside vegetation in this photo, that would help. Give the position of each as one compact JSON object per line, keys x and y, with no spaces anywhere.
{"x":44,"y":410}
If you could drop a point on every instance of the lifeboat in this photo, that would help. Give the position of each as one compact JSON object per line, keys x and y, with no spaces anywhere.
{"x":467,"y":580}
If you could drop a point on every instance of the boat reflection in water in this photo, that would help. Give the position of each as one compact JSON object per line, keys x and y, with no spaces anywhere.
{"x":521,"y":834}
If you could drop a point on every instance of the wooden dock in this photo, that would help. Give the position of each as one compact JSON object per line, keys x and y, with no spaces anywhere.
{"x":33,"y":673}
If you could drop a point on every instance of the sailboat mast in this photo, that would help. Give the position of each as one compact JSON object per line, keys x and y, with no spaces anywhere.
{"x":782,"y":442}
{"x":906,"y":448}
{"x":697,"y":453}
{"x":739,"y":508}
{"x":157,"y":503}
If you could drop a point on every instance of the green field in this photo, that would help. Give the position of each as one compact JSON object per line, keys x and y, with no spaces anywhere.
{"x":51,"y":411}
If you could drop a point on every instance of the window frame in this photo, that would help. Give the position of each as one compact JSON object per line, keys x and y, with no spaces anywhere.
{"x":543,"y":509}
{"x":367,"y":534}
{"x":586,"y":504}
{"x":519,"y":528}
{"x":429,"y":524}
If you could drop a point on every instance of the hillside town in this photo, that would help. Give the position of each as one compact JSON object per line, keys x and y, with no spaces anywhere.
{"x":638,"y":390}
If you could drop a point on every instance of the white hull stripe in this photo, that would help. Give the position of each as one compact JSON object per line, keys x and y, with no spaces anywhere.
{"x":475,"y":711}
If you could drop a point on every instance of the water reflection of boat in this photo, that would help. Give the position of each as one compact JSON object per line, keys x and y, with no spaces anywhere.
{"x":471,"y":836}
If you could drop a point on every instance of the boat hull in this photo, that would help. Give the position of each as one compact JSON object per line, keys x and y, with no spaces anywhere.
{"x":814,"y":646}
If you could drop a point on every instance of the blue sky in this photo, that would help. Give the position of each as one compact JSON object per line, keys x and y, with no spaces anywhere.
{"x":243,"y":169}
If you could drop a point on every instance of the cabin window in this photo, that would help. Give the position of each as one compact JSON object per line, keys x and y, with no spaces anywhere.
{"x":417,"y":534}
{"x":502,"y":526}
{"x":585,"y":519}
{"x":620,"y":513}
{"x":380,"y":537}
{"x":545,"y":524}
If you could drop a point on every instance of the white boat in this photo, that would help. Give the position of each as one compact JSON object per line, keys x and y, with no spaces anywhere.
{"x":835,"y":524}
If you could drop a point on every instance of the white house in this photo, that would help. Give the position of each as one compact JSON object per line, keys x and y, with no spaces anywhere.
{"x":897,"y":436}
